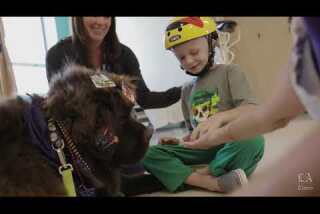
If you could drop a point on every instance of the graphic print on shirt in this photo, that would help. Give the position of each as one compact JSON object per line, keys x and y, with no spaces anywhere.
{"x":204,"y":104}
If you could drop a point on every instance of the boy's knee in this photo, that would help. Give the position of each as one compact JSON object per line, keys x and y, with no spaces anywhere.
{"x":151,"y":151}
{"x":155,"y":153}
{"x":250,"y":146}
{"x":243,"y":154}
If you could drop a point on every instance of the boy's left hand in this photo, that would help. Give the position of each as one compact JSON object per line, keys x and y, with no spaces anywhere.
{"x":207,"y":134}
{"x":207,"y":140}
{"x":212,"y":123}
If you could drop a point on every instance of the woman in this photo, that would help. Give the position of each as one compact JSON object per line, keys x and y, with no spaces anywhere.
{"x":94,"y":43}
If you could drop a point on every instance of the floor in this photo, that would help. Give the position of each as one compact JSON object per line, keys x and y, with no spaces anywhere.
{"x":277,"y":143}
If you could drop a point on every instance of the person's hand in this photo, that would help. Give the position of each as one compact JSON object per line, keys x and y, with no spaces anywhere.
{"x":201,"y":129}
{"x":208,"y":133}
{"x":169,"y":141}
{"x":212,"y":123}
{"x":211,"y":138}
{"x":186,"y":138}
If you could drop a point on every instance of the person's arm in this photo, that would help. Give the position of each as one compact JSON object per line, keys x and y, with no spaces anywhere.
{"x":242,"y":97}
{"x":145,"y":98}
{"x":296,"y":174}
{"x":275,"y":113}
{"x":221,"y":119}
{"x":283,"y":106}
{"x":151,"y":99}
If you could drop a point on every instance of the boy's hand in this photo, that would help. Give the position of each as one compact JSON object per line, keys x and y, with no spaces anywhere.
{"x":187,"y":137}
{"x":212,"y":123}
{"x":208,"y":133}
{"x":208,"y":140}
{"x":169,"y":141}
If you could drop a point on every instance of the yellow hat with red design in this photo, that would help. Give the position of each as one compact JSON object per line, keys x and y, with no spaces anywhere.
{"x":183,"y":29}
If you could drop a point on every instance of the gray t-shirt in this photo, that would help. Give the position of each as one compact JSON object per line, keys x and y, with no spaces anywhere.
{"x":223,"y":88}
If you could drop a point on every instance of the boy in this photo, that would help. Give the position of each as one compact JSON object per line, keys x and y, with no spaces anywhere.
{"x":216,"y":90}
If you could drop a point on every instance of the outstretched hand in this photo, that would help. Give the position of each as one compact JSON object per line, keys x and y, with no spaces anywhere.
{"x":208,"y":139}
{"x":207,"y":134}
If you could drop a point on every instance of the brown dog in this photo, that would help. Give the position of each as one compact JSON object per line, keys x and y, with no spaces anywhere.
{"x":95,"y":125}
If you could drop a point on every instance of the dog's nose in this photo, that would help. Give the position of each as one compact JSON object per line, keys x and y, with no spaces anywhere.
{"x":148,"y":133}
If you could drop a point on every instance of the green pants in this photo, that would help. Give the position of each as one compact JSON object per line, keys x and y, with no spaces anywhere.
{"x":171,"y":163}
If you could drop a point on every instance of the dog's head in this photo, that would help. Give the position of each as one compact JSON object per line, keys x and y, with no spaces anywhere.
{"x":99,"y":118}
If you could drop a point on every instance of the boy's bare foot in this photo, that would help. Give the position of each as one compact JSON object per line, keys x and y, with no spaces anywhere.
{"x":204,"y":181}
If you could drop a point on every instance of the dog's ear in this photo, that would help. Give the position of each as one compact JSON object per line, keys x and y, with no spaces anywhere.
{"x":70,"y":93}
{"x":127,"y":86}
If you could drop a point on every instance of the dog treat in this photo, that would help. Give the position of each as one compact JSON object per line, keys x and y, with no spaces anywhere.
{"x":169,"y":140}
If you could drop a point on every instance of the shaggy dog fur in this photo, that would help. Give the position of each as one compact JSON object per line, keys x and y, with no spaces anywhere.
{"x":86,"y":110}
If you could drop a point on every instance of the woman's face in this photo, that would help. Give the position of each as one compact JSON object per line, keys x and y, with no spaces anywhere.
{"x":193,"y":55}
{"x":96,"y":28}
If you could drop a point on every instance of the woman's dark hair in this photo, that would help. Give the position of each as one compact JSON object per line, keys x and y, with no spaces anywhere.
{"x":111,"y":44}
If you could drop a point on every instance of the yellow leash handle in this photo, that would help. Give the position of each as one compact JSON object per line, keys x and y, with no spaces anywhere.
{"x":68,"y":181}
{"x":65,"y":168}
{"x":66,"y":171}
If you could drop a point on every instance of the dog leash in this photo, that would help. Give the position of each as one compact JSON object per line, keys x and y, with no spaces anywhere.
{"x":80,"y":165}
{"x":65,"y":169}
{"x":75,"y":155}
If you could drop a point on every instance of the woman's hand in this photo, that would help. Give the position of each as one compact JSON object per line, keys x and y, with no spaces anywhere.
{"x":212,"y":137}
{"x":208,"y":133}
{"x":212,"y":123}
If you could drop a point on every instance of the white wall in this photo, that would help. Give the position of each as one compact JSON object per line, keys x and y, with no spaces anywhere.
{"x":263,"y":51}
{"x":159,"y":67}
{"x":26,"y":47}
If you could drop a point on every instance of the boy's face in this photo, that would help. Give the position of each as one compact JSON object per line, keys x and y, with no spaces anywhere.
{"x":193,"y":54}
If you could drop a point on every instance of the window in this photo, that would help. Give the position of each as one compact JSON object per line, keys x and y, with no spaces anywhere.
{"x":27,"y":40}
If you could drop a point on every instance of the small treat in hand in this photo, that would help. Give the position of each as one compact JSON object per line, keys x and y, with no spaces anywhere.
{"x":169,"y":140}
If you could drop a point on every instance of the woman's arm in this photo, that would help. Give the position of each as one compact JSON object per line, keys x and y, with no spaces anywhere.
{"x":283,"y":106}
{"x":151,"y":99}
{"x":275,"y":113}
{"x":221,"y":119}
{"x":148,"y":99}
{"x":295,"y":174}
